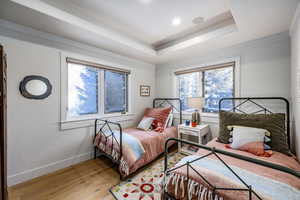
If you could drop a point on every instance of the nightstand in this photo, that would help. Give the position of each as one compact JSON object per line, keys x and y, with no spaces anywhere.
{"x":198,"y":134}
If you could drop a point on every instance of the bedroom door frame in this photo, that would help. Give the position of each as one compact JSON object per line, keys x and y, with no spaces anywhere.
{"x":3,"y":125}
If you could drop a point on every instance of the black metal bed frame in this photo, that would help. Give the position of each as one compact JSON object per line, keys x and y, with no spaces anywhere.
{"x":213,"y":151}
{"x":108,"y":125}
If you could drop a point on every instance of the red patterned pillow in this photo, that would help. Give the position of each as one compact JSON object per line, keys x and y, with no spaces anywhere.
{"x":159,"y":114}
{"x":157,"y":126}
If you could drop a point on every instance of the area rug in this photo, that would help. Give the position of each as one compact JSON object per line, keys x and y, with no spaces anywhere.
{"x":146,"y":185}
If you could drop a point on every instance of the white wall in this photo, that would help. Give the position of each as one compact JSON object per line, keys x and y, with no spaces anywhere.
{"x":295,"y":78}
{"x":264,"y":69}
{"x":36,"y":145}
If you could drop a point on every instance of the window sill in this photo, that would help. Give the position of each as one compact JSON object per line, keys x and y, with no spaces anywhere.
{"x":89,"y":121}
{"x":205,"y":117}
{"x":202,"y":114}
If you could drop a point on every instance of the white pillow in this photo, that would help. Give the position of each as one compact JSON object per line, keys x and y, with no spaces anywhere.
{"x":145,"y":123}
{"x":169,"y":121}
{"x":244,"y":135}
{"x":231,"y":127}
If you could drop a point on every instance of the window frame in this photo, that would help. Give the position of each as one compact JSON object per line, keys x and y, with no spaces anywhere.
{"x":211,"y":66}
{"x":64,"y":116}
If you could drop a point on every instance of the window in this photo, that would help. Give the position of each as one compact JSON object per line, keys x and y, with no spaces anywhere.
{"x":115,"y":92}
{"x":82,"y":90}
{"x":190,"y":85}
{"x":95,"y":89}
{"x":218,"y":84}
{"x":210,"y":83}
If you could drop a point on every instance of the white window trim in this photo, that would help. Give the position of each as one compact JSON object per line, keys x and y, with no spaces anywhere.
{"x":237,"y":80}
{"x":87,"y":120}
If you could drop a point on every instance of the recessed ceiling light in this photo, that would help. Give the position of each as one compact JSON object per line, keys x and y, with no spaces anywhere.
{"x":176,"y":21}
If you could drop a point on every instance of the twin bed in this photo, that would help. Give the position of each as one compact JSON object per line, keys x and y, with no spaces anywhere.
{"x":133,"y":148}
{"x":215,"y":171}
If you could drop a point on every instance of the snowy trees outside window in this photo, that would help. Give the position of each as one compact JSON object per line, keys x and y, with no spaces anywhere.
{"x":82,"y":90}
{"x":87,"y":84}
{"x":212,"y":85}
{"x":115,"y":92}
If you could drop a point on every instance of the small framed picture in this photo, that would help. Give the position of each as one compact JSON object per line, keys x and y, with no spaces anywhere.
{"x":144,"y":90}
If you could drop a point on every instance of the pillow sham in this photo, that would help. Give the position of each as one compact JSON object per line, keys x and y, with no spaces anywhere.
{"x":274,"y":123}
{"x":249,"y":139}
{"x":159,"y":114}
{"x":145,"y":123}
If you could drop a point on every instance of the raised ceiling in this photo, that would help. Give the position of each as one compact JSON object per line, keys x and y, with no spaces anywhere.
{"x":146,"y":20}
{"x":143,"y":29}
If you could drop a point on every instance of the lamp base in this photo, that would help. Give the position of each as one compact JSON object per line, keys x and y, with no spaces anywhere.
{"x":196,"y":117}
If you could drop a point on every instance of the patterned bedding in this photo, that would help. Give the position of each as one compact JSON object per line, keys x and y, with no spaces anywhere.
{"x":267,"y":183}
{"x":139,"y":147}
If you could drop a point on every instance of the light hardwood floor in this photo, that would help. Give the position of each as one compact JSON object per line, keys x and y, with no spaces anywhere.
{"x":89,"y":180}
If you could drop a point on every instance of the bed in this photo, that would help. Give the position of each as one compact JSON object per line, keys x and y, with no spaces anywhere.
{"x":132,"y":148}
{"x":216,"y":172}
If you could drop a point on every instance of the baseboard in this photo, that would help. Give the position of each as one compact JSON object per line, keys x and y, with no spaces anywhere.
{"x":46,"y":169}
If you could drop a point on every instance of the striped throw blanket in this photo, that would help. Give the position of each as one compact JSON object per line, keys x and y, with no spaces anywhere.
{"x":133,"y":150}
{"x":214,"y":171}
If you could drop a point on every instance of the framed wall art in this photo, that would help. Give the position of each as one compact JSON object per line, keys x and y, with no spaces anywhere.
{"x":144,"y":91}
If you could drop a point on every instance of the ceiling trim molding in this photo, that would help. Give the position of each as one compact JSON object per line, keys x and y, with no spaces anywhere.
{"x":218,"y":30}
{"x":59,"y":14}
{"x":24,"y":33}
{"x":295,"y":19}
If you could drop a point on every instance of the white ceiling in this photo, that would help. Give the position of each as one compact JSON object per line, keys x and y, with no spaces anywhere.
{"x":136,"y":27}
{"x":147,"y":20}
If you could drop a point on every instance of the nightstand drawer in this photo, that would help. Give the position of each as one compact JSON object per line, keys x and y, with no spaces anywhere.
{"x":189,"y":132}
{"x":188,"y":137}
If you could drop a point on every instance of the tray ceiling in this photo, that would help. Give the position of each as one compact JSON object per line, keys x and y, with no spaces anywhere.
{"x":143,"y":29}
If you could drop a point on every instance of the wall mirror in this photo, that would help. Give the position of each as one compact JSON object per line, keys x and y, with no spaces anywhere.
{"x":35,"y":87}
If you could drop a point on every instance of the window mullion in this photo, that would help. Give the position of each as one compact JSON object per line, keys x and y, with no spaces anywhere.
{"x":203,"y":89}
{"x":101,"y":92}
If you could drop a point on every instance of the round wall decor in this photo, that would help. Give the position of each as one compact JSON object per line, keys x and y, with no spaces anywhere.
{"x":35,"y":87}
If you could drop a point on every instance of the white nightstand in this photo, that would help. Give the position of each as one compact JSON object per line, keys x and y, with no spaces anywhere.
{"x":198,"y":134}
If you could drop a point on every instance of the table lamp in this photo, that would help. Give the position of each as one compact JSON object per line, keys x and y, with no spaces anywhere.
{"x":195,"y":103}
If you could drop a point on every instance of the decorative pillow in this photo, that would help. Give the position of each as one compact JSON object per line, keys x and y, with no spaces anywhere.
{"x":145,"y":123}
{"x":249,"y":139}
{"x":266,"y":147}
{"x":267,"y":138}
{"x":157,"y":126}
{"x":274,"y":123}
{"x":159,"y":114}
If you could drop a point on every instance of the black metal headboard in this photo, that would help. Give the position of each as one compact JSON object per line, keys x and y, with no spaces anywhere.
{"x":174,"y":103}
{"x":238,"y":102}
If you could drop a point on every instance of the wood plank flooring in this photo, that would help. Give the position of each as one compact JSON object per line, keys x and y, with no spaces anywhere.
{"x":89,"y":180}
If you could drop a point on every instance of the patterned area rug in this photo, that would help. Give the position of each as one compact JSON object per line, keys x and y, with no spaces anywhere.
{"x":146,"y":184}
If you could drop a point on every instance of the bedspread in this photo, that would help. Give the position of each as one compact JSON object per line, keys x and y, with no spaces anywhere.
{"x":133,"y":149}
{"x":151,"y":141}
{"x":267,"y":183}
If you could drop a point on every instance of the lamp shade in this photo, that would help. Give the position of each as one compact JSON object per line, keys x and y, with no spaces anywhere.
{"x":195,"y":102}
